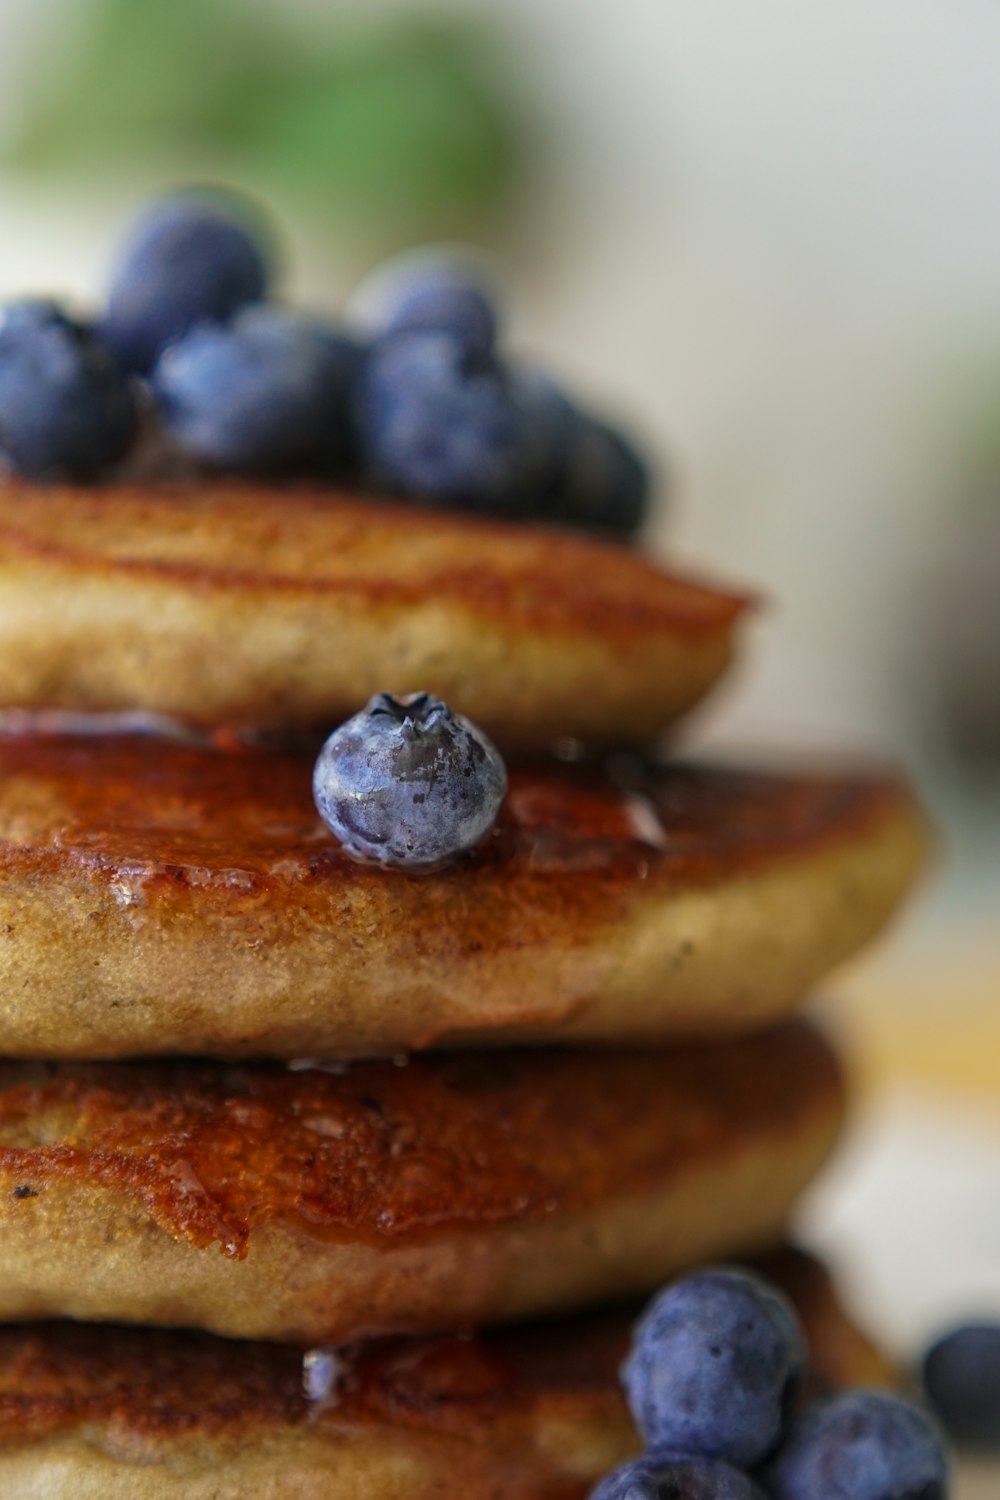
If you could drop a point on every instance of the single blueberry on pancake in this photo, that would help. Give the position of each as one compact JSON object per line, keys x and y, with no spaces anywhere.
{"x":715,"y":1363}
{"x":961,"y":1376}
{"x":66,"y":410}
{"x":436,"y":419}
{"x":407,"y":782}
{"x":268,"y":391}
{"x":676,"y":1476}
{"x":188,"y":260}
{"x":861,"y":1445}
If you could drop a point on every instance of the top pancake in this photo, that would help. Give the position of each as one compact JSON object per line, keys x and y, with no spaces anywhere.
{"x":223,"y":604}
{"x":160,"y":897}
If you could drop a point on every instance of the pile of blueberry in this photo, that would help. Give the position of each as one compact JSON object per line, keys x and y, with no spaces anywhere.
{"x":422,"y":405}
{"x":713,"y":1380}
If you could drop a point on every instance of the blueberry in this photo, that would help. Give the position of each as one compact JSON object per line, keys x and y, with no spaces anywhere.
{"x":961,"y":1376}
{"x":437,"y":420}
{"x":716,"y":1361}
{"x":860,"y":1445}
{"x":676,"y":1476}
{"x":66,"y":410}
{"x":577,"y":470}
{"x":268,"y":391}
{"x":548,"y":428}
{"x":433,"y":298}
{"x":605,"y":485}
{"x":407,"y":782}
{"x":188,"y":260}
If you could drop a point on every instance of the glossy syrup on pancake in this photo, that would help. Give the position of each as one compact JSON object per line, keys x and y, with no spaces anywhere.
{"x":377,"y":1152}
{"x":654,"y":902}
{"x":157,"y":815}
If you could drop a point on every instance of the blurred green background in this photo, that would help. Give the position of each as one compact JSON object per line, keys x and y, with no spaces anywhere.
{"x":390,"y":128}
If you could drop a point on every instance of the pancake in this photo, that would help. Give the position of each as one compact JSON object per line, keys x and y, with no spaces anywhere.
{"x":533,"y":1413}
{"x":306,"y":1204}
{"x":221,"y":603}
{"x":157,"y":897}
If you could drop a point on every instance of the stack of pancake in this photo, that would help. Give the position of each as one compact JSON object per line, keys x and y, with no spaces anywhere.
{"x":267,"y":1102}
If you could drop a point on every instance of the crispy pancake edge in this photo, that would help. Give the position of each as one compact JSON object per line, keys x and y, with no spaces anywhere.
{"x":218,"y":916}
{"x":108,"y":598}
{"x":128,"y":1212}
{"x":523,"y":1414}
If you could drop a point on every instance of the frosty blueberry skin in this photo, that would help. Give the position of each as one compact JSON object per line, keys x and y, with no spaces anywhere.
{"x":189,"y":260}
{"x":436,"y":420}
{"x":716,"y":1361}
{"x":265,"y":393}
{"x":860,"y":1445}
{"x":442,"y":299}
{"x":408,"y":783}
{"x":961,"y":1378}
{"x":676,"y":1476}
{"x":66,"y":410}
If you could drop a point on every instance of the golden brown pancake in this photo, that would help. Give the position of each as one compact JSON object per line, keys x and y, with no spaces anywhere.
{"x":222,"y":603}
{"x":157,"y":897}
{"x":533,"y":1413}
{"x":264,"y":1202}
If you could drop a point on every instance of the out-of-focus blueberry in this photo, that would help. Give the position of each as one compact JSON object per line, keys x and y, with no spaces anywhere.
{"x":268,"y":391}
{"x":574,"y":469}
{"x":437,"y":419}
{"x":548,"y":423}
{"x":407,"y":782}
{"x":66,"y":410}
{"x":676,"y":1476}
{"x":606,"y":483}
{"x":426,"y":296}
{"x":861,"y":1445}
{"x":188,"y":260}
{"x":961,"y":1376}
{"x":715,"y":1364}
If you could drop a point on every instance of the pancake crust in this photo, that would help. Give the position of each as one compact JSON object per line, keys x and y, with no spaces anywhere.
{"x":258,"y":1201}
{"x":222,"y":603}
{"x":533,"y":1413}
{"x":157,"y":897}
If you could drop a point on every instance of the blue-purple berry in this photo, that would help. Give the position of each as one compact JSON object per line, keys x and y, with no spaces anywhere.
{"x":439,"y":298}
{"x":189,"y":260}
{"x":861,"y":1445}
{"x":961,"y":1377}
{"x":548,"y":422}
{"x":576,"y":471}
{"x":409,"y":783}
{"x":437,"y":421}
{"x":716,"y":1362}
{"x":677,"y":1476}
{"x":605,"y":485}
{"x":66,"y":410}
{"x":268,"y":392}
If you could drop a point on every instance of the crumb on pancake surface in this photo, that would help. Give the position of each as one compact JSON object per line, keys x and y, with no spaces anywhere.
{"x":159,"y":897}
{"x":314,"y":601}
